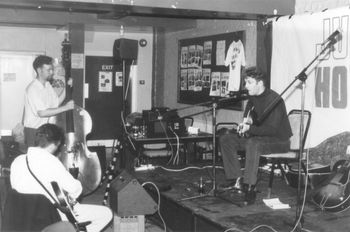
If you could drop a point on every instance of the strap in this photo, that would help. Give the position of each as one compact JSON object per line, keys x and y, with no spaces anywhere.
{"x":48,"y":192}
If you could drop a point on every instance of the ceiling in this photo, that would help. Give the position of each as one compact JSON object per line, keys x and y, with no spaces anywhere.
{"x":140,"y":14}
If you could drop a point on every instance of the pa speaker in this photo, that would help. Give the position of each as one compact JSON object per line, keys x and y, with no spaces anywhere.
{"x":125,"y":49}
{"x":128,"y":197}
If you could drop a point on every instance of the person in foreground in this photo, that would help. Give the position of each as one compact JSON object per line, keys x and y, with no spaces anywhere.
{"x":41,"y":103}
{"x":264,"y":130}
{"x":45,"y":165}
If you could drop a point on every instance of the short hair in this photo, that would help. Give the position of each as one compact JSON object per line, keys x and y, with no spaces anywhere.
{"x":256,"y":74}
{"x":41,"y":60}
{"x":48,"y":134}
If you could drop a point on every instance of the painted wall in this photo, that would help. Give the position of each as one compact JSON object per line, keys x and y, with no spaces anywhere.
{"x":204,"y":27}
{"x":23,"y":39}
{"x":48,"y":41}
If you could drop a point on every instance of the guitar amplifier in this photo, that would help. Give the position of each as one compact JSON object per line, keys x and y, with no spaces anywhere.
{"x":160,"y":124}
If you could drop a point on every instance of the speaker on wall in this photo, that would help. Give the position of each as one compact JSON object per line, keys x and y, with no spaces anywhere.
{"x":125,"y":49}
{"x":128,"y":197}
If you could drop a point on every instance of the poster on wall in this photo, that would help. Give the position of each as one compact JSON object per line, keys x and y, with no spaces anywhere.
{"x":220,"y":52}
{"x":184,"y":57}
{"x":208,"y":45}
{"x":105,"y":81}
{"x":215,"y":87}
{"x":327,"y":85}
{"x":118,"y":78}
{"x":206,"y":72}
{"x":224,"y":80}
{"x":190,"y":79}
{"x":198,"y":56}
{"x":191,"y":56}
{"x":198,"y":80}
{"x":183,"y":80}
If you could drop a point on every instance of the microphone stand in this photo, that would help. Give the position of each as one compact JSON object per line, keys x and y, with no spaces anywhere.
{"x":302,"y":76}
{"x":214,"y":106}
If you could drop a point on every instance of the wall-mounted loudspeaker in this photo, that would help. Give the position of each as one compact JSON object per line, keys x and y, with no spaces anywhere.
{"x":125,"y":49}
{"x":128,"y":197}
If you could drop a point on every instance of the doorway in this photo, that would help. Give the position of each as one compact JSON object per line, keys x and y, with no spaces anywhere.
{"x":16,"y":72}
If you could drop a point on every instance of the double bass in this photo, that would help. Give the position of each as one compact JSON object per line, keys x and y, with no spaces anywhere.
{"x":75,"y":155}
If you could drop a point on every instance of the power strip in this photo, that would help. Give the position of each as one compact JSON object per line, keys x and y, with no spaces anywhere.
{"x":145,"y":167}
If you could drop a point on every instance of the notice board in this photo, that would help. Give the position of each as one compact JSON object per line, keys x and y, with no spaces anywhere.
{"x":203,"y":75}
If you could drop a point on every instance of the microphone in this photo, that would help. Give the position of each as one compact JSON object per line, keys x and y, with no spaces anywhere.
{"x":239,"y":94}
{"x":332,"y":37}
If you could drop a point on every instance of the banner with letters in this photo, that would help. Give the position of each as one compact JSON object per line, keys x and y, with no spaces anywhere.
{"x":296,"y":42}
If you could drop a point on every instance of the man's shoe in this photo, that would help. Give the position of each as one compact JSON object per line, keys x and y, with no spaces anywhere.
{"x":250,"y":195}
{"x":233,"y":184}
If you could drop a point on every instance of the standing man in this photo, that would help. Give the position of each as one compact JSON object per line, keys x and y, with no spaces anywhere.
{"x":269,"y":134}
{"x":43,"y":163}
{"x":41,"y":102}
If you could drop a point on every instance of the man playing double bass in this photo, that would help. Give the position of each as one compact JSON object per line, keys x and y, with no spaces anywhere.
{"x":41,"y":102}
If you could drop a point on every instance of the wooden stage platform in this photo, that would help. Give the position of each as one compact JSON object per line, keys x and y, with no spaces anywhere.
{"x":223,"y":211}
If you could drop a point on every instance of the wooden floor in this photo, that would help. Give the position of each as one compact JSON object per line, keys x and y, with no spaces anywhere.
{"x":224,"y":210}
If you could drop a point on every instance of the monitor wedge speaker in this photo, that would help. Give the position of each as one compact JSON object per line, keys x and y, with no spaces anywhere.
{"x":128,"y":197}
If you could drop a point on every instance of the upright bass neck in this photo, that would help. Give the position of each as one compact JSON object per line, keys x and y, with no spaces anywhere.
{"x":66,"y":59}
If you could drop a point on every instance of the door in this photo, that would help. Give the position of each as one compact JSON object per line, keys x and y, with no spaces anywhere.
{"x":16,"y":72}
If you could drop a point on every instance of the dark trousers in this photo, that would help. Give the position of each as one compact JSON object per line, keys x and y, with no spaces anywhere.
{"x":230,"y":143}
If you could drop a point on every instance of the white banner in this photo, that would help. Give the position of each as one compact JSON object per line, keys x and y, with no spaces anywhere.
{"x":296,"y":42}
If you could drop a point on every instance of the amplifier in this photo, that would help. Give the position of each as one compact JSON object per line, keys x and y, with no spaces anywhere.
{"x":159,"y":124}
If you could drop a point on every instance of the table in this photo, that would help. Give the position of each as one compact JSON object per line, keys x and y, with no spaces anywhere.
{"x":139,"y":141}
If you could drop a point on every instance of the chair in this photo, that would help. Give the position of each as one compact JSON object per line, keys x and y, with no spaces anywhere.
{"x":28,"y":212}
{"x":277,"y":159}
{"x":59,"y":227}
{"x":223,"y":128}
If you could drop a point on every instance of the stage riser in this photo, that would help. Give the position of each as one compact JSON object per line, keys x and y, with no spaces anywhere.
{"x":181,"y":219}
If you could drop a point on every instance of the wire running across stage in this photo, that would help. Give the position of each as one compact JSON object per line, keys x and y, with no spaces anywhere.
{"x":213,"y":106}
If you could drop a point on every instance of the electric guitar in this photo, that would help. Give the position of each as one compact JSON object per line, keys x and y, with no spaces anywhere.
{"x":65,"y":205}
{"x":248,"y":120}
{"x":334,"y":194}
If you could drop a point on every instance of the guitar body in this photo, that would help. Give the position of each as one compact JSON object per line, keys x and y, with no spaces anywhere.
{"x":334,"y":195}
{"x":86,"y":162}
{"x":63,"y":204}
{"x":65,"y":207}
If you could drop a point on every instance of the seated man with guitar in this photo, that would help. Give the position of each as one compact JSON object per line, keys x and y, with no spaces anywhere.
{"x":265,"y":128}
{"x":41,"y":172}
